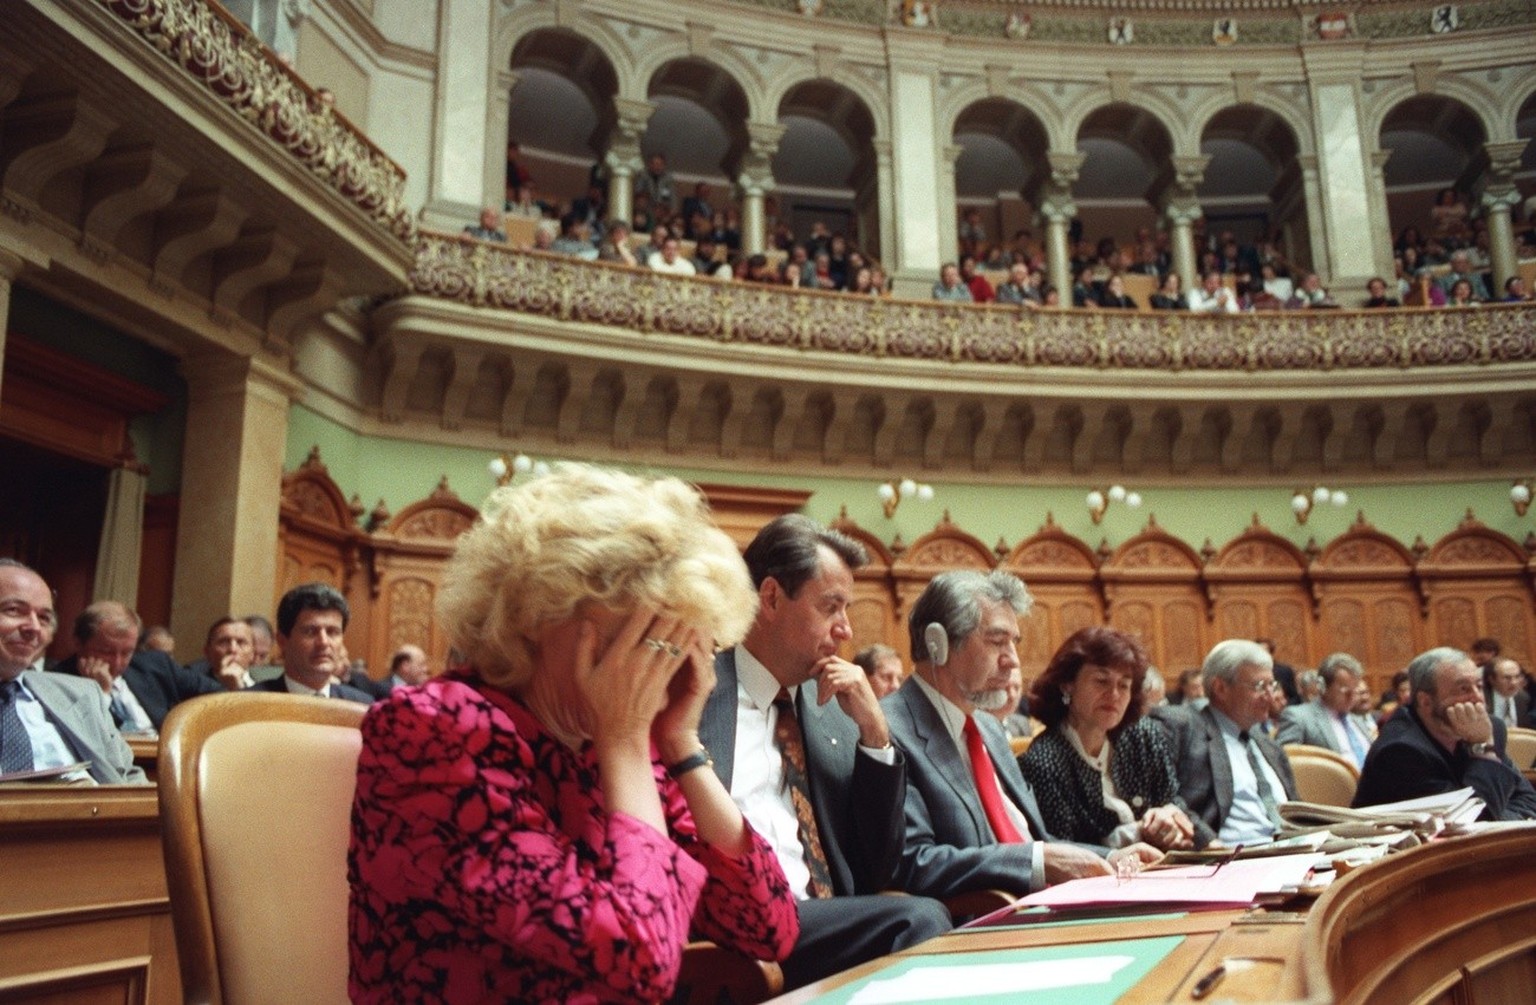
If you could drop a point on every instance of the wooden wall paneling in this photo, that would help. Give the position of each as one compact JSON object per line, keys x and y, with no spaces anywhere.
{"x":1368,"y":602}
{"x":873,"y":613}
{"x":1476,"y":583}
{"x":408,"y":557}
{"x":1061,"y":572}
{"x":743,"y":510}
{"x":318,"y":540}
{"x":1258,"y":589}
{"x":1153,"y":589}
{"x":942,"y":549}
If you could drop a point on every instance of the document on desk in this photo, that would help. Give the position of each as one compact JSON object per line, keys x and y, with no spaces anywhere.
{"x":1233,"y":884}
{"x":1086,"y":974}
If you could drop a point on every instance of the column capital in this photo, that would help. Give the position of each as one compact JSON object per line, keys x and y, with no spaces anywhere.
{"x":1182,"y":211}
{"x":763,"y":138}
{"x":1056,"y":204}
{"x":1499,"y":198}
{"x":632,"y":118}
{"x":1065,"y":165}
{"x":1189,"y":170}
{"x":1504,"y":158}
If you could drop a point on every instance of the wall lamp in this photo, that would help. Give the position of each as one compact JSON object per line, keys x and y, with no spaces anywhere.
{"x":504,"y":468}
{"x":1099,"y":500}
{"x":1520,"y":495}
{"x":1304,"y":500}
{"x":891,"y":494}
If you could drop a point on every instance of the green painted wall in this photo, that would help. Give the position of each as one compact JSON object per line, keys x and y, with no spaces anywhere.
{"x":401,"y":472}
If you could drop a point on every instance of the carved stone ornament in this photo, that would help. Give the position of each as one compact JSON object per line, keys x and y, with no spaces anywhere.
{"x":810,"y":8}
{"x":1121,"y":31}
{"x":1444,"y":19}
{"x":1018,"y":25}
{"x":1333,"y":24}
{"x":1224,"y":31}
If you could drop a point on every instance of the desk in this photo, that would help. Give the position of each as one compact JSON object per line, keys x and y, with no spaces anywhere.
{"x":1452,"y":921}
{"x":84,"y":914}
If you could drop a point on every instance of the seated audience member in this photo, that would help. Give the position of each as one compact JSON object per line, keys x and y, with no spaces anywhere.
{"x":803,"y":745}
{"x":1211,"y":297}
{"x":141,"y":687}
{"x":1270,"y":727}
{"x":1507,"y":698}
{"x":1285,"y":674}
{"x":310,"y":622}
{"x":1460,"y":294}
{"x":657,"y":184}
{"x":574,"y":239}
{"x":159,"y":639}
{"x":882,"y":665}
{"x":1231,"y":779}
{"x":669,"y":260}
{"x":229,"y":648}
{"x":1168,"y":296}
{"x":972,"y":821}
{"x":1377,"y":288}
{"x":1309,"y":685}
{"x":1361,"y":713}
{"x":615,"y":246}
{"x":950,"y":286}
{"x":1280,"y":286}
{"x":1014,"y":713}
{"x":1310,"y":294}
{"x":355,"y":674}
{"x":261,"y":640}
{"x":1444,"y":740}
{"x":489,"y":228}
{"x":1461,"y":269}
{"x":704,"y":263}
{"x":1396,"y":696}
{"x":1448,"y":216}
{"x":1114,"y":295}
{"x":1154,"y":688}
{"x":863,"y":281}
{"x":1514,"y":290}
{"x":1101,"y":772}
{"x":1190,"y":689}
{"x":798,"y":269}
{"x":541,"y":824}
{"x":1325,"y":721}
{"x":50,"y":720}
{"x":1255,"y":296}
{"x":978,"y":284}
{"x":1086,"y":286}
{"x":821,"y":273}
{"x":1019,"y":290}
{"x":408,"y":667}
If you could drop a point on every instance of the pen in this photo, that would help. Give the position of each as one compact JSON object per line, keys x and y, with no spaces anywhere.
{"x":1208,"y":983}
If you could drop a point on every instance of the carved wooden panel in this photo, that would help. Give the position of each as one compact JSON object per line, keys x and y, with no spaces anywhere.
{"x":1477,"y":585}
{"x":1152,"y":588}
{"x":318,"y":539}
{"x":873,"y":612}
{"x":1061,"y":572}
{"x":942,"y":549}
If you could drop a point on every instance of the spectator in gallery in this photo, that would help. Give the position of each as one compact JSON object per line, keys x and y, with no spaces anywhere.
{"x":489,"y":227}
{"x":950,"y":286}
{"x":1448,"y":217}
{"x":574,"y":239}
{"x":1515,"y":291}
{"x":1461,"y":269}
{"x":1085,"y":287}
{"x":978,"y":284}
{"x":1310,"y":294}
{"x":1114,"y":295}
{"x":1461,"y":294}
{"x":882,"y":665}
{"x":1020,"y":289}
{"x":1377,"y":288}
{"x":669,"y":260}
{"x":615,"y":246}
{"x":1212,"y":297}
{"x":657,"y":183}
{"x":1169,"y":296}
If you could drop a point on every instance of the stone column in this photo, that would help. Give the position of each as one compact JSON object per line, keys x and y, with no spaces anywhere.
{"x":1350,"y":242}
{"x":10,"y":268}
{"x":456,"y":190}
{"x":1055,"y":204}
{"x":914,"y":249}
{"x":755,"y":180}
{"x":885,"y":196}
{"x":949,"y":201}
{"x":1181,"y":213}
{"x":623,"y":157}
{"x":231,"y":489}
{"x":496,"y":137}
{"x":1499,"y":198}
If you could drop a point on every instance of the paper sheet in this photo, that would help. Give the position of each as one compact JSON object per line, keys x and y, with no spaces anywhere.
{"x":959,"y":983}
{"x":1237,"y":883}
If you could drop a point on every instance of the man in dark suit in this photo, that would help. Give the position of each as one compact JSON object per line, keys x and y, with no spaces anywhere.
{"x":49,"y":720}
{"x":1444,"y":740}
{"x":310,"y":622}
{"x":1325,"y":721}
{"x":141,"y":686}
{"x":786,"y":709}
{"x":964,"y":632}
{"x":1506,"y":694}
{"x":1231,"y":777}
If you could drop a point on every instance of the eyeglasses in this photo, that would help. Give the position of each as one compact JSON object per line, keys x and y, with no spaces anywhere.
{"x":1172,"y":861}
{"x":1259,"y":686}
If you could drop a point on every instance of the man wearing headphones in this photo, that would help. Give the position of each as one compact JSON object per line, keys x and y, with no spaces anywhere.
{"x":972,"y":821}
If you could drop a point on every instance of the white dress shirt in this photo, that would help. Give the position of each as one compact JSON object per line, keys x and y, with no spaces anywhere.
{"x":49,"y":750}
{"x":953,"y":717}
{"x":135,"y":719}
{"x":1247,"y":821}
{"x":294,"y":687}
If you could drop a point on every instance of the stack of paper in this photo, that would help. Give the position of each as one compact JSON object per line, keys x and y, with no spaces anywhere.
{"x":1233,"y":884}
{"x":1426,"y":816}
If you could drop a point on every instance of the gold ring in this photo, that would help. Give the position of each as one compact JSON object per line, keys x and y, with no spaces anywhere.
{"x":656,"y":644}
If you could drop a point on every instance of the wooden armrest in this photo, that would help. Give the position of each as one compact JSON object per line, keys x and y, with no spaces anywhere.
{"x":712,"y":973}
{"x":977,"y":902}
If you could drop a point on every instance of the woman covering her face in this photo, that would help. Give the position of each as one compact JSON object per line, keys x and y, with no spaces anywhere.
{"x":542,"y":823}
{"x":1102,"y":773}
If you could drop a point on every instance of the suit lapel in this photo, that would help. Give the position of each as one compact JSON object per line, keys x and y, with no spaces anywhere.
{"x":717,"y":724}
{"x":1221,"y":768}
{"x":939,"y":750}
{"x":1013,"y":781}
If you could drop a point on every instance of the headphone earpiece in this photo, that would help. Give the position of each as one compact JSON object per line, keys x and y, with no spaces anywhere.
{"x":937,"y":640}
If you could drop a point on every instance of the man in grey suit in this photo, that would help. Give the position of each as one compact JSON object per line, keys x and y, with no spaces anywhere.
{"x":1232,"y":778}
{"x":785,"y":679}
{"x":1506,"y":696}
{"x":1325,"y":721}
{"x":49,"y":720}
{"x":964,"y":632}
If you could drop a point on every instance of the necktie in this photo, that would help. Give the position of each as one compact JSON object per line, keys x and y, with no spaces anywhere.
{"x":1260,"y":783}
{"x":15,"y":744}
{"x":786,"y":733}
{"x":986,"y":786}
{"x":1356,"y":741}
{"x":120,"y":714}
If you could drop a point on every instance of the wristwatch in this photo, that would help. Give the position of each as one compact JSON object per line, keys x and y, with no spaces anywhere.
{"x":698,"y":759}
{"x":1479,"y":749}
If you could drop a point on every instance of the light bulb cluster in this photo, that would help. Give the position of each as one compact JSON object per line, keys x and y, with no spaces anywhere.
{"x":1099,"y":499}
{"x":1303,"y":501}
{"x":1520,"y":495}
{"x":893,"y":492}
{"x":504,"y":468}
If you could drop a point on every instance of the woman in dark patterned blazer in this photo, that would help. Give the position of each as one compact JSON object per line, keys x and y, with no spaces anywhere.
{"x":1101,"y":773}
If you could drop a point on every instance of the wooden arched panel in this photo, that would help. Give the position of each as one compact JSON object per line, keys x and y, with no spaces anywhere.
{"x":1061,"y":572}
{"x":1475,"y":581}
{"x":409,"y":555}
{"x":942,"y":549}
{"x":873,"y":613}
{"x":1364,"y":586}
{"x":1153,"y":589}
{"x":1258,"y":589}
{"x":318,"y":540}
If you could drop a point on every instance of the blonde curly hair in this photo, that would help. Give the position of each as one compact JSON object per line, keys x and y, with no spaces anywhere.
{"x":585,"y":533}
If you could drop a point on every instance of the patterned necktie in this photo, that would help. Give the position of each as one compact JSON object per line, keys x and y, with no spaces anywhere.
{"x":791,"y":743}
{"x":1260,"y":782}
{"x":986,"y":786}
{"x":1356,"y":741}
{"x":15,"y":744}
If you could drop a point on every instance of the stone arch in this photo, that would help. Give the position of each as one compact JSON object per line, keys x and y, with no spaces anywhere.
{"x":808,"y":111}
{"x":725,"y":61}
{"x":876,"y":101}
{"x":532,"y":18}
{"x":550,"y":62}
{"x":1285,"y":110}
{"x":708,"y":85}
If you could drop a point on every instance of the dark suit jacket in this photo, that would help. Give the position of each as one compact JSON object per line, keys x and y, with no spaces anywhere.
{"x":950,"y":846}
{"x":346,"y":691}
{"x":78,"y":709}
{"x":156,"y":680}
{"x":857,"y":800}
{"x":1406,"y":762}
{"x":1522,"y":706}
{"x":1205,"y":774}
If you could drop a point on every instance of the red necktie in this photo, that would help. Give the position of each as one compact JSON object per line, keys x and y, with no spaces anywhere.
{"x":986,"y":786}
{"x":786,"y":733}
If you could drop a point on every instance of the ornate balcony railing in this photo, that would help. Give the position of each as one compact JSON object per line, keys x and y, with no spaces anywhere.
{"x":488,"y":275}
{"x":234,"y":65}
